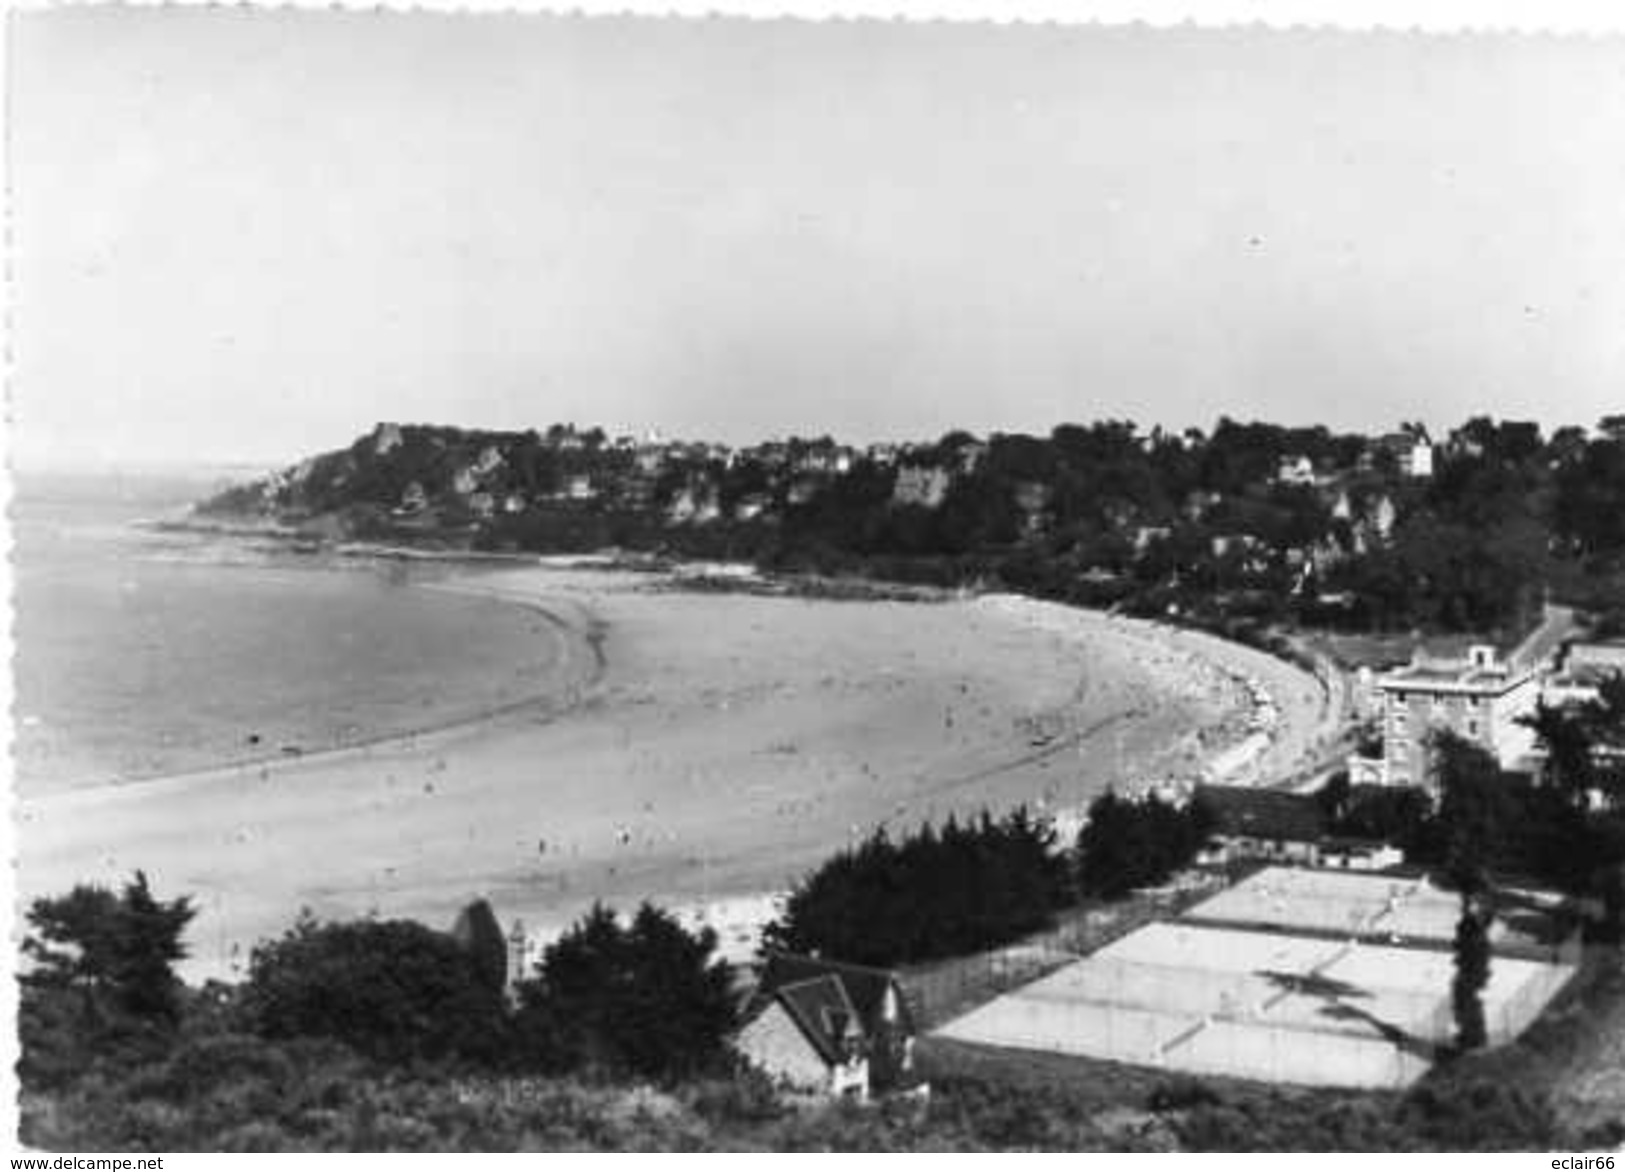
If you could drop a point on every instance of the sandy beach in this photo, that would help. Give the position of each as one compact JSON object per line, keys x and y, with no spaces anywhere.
{"x":708,"y":749}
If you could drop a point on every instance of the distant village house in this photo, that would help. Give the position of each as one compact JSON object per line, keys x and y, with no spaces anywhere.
{"x":922,"y":485}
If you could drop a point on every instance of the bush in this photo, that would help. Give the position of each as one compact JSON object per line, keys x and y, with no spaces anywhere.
{"x":1181,"y":1094}
{"x":394,"y":990}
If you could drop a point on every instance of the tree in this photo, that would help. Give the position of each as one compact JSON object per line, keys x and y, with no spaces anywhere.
{"x":1472,"y":951}
{"x":968,"y":886}
{"x":1127,"y":843}
{"x":1467,"y":778}
{"x":117,"y":951}
{"x":648,"y":999}
{"x":1568,"y":744}
{"x":392,"y":989}
{"x":477,"y":930}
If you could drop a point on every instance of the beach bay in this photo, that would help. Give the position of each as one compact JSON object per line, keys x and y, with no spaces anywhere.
{"x":693,"y":748}
{"x":142,"y":652}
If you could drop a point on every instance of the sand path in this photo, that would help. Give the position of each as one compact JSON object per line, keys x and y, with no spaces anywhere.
{"x":709,"y":746}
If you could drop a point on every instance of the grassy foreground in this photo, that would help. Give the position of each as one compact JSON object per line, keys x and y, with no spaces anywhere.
{"x":216,"y":1090}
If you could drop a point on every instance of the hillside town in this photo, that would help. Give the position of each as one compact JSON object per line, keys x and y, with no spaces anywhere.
{"x":1252,"y":522}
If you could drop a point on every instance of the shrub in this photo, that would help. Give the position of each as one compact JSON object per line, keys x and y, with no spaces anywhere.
{"x":394,"y":990}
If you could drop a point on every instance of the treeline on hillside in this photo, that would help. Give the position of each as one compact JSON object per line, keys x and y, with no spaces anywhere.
{"x":1250,"y":523}
{"x":979,"y":884}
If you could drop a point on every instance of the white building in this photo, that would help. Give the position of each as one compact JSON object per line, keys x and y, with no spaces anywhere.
{"x":1480,"y":699}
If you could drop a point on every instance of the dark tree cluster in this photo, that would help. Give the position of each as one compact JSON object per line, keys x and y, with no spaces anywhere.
{"x":1128,"y":843}
{"x":934,"y":893}
{"x":99,"y":975}
{"x":393,"y":990}
{"x":648,"y":999}
{"x":645,"y":999}
{"x":1402,"y":815}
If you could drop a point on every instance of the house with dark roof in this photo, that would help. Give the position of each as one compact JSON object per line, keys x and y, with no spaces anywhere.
{"x":825,"y":1027}
{"x":1260,"y":824}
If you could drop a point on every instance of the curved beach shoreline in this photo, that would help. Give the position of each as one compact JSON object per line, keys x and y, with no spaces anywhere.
{"x":719,"y":745}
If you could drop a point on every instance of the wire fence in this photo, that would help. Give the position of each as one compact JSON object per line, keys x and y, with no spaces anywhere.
{"x":942,"y":990}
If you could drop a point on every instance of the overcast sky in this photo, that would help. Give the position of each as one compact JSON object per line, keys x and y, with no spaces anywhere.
{"x":251,"y":235}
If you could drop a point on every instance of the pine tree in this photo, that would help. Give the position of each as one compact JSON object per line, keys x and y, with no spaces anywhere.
{"x":1468,"y":781}
{"x":478,"y":931}
{"x":117,"y":951}
{"x":649,"y":999}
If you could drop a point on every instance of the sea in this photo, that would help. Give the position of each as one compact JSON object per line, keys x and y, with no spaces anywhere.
{"x":142,"y":650}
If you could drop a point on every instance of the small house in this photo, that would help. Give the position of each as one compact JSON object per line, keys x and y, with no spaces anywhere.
{"x":922,"y":485}
{"x":1412,"y":454}
{"x":802,"y":489}
{"x":682,"y":507}
{"x":1359,"y":854}
{"x":1252,"y":823}
{"x":1296,"y":471}
{"x":413,"y":501}
{"x":824,"y":1027}
{"x":386,"y":437}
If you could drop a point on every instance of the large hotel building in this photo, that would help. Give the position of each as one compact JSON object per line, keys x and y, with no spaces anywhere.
{"x":1479,"y":699}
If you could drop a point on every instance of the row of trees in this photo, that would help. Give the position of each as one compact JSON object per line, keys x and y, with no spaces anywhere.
{"x":932,"y":893}
{"x":641,"y":998}
{"x":979,"y":884}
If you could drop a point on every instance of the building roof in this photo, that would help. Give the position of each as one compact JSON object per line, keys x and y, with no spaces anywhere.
{"x":1482,"y":672}
{"x":863,"y":989}
{"x":824,"y":1013}
{"x":1262,"y":813}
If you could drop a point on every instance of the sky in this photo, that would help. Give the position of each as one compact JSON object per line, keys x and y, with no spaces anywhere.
{"x":249,"y":235}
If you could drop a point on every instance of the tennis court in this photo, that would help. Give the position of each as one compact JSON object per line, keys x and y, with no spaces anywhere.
{"x":1410,"y":910}
{"x":1203,"y":997}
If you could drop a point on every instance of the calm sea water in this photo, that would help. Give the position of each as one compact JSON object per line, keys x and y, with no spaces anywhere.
{"x":141,"y":652}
